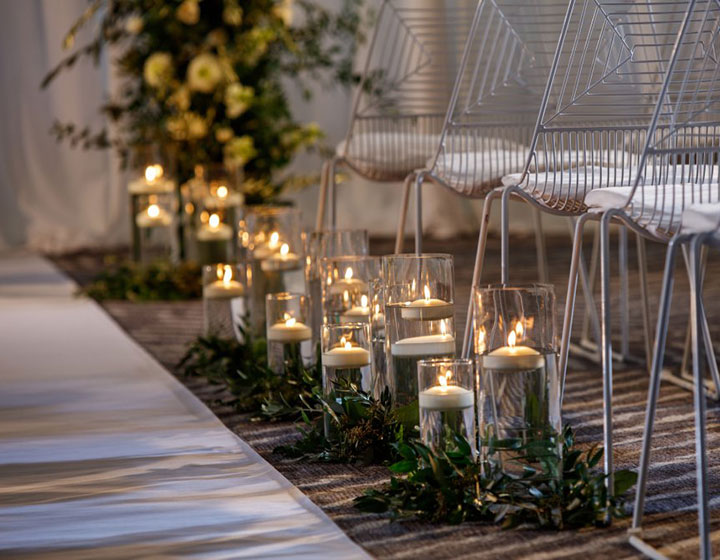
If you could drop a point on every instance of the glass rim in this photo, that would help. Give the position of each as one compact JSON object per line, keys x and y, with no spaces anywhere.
{"x":433,"y":362}
{"x":350,"y":258}
{"x":515,"y":287}
{"x":349,"y":324}
{"x":320,"y":232}
{"x":423,"y":256}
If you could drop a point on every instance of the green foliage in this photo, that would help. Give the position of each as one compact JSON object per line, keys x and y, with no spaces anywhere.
{"x":361,"y":428}
{"x":208,"y":77}
{"x":152,"y":282}
{"x":242,"y":368}
{"x":451,"y":487}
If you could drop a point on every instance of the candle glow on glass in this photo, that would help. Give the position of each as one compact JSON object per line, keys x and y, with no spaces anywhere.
{"x":225,"y":286}
{"x":514,"y":356}
{"x":426,"y":308}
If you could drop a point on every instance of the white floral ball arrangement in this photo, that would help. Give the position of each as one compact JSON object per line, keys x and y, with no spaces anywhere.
{"x":208,"y":77}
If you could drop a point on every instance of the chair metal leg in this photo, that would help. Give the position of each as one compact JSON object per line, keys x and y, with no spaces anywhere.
{"x":699,"y":401}
{"x":418,"y":213}
{"x":575,"y":264}
{"x":607,"y":362}
{"x":594,"y":263}
{"x":324,"y":179}
{"x":540,"y":248}
{"x":655,"y":377}
{"x":624,"y":293}
{"x":400,"y":234}
{"x":645,"y":303}
{"x":477,"y":271}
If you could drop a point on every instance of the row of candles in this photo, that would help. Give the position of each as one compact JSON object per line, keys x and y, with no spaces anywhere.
{"x":383,"y":322}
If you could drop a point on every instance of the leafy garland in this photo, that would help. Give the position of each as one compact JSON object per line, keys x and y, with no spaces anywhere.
{"x":452,"y":487}
{"x":243,"y":369}
{"x":151,"y":282}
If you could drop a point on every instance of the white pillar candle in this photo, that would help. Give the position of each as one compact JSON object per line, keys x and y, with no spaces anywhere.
{"x":427,"y":308}
{"x":346,"y":356}
{"x":348,"y":284}
{"x":214,"y":230}
{"x":428,"y":345}
{"x":357,"y":313}
{"x":289,"y":330}
{"x":512,"y":357}
{"x":153,"y":216}
{"x":284,"y":260}
{"x":446,"y":397}
{"x":225,"y":287}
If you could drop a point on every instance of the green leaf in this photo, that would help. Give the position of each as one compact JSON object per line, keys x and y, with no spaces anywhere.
{"x":624,"y":480}
{"x":404,"y":466}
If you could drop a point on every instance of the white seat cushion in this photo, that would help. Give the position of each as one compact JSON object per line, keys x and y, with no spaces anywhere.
{"x":701,"y":218}
{"x":476,"y":173}
{"x":391,"y":154}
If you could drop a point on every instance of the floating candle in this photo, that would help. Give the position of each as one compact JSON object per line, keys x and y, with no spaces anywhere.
{"x":152,"y":182}
{"x":284,"y":260}
{"x":153,"y":216}
{"x":450,"y":397}
{"x":512,"y":357}
{"x":428,"y":345}
{"x":222,"y":197}
{"x":347,"y":284}
{"x":357,"y":313}
{"x":264,"y":250}
{"x":427,"y":308}
{"x":289,"y":330}
{"x":346,"y":355}
{"x":214,"y":230}
{"x":224,"y":287}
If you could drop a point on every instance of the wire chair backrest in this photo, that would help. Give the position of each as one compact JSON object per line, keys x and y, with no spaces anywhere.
{"x":497,"y":93}
{"x":400,"y":103}
{"x":606,"y":101}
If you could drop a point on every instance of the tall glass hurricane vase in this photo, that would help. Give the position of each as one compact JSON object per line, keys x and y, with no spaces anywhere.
{"x":518,"y":384}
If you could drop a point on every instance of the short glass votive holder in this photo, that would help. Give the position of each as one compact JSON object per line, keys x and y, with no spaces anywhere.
{"x":446,"y":402}
{"x":152,"y":204}
{"x":346,"y":361}
{"x":271,"y":241}
{"x":518,"y":383}
{"x":324,"y":244}
{"x":224,"y":300}
{"x":377,"y":332}
{"x":419,"y":317}
{"x":289,"y":337}
{"x":346,"y":288}
{"x":214,"y":237}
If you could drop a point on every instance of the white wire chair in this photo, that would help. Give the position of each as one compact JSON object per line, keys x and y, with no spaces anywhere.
{"x":597,"y":118}
{"x":399,"y":106}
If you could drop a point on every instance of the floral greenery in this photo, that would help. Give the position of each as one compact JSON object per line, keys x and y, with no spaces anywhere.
{"x":207,"y":77}
{"x":451,"y":487}
{"x":137,"y":282}
{"x":242,"y":368}
{"x":362,"y":429}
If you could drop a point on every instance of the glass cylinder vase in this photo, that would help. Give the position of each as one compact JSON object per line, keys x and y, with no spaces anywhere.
{"x":419,"y":317}
{"x":346,"y":361}
{"x":272,"y":244}
{"x":224,"y":301}
{"x":518,"y":385}
{"x":289,"y":338}
{"x":446,"y":401}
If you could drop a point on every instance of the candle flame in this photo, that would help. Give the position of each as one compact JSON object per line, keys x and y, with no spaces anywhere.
{"x":289,"y":321}
{"x":443,"y":379}
{"x":343,"y":341}
{"x":519,"y":329}
{"x":349,"y":274}
{"x":285,"y":249}
{"x":512,"y":339}
{"x":274,"y":239}
{"x":227,"y":276}
{"x":363,"y":301}
{"x":222,"y":191}
{"x":426,"y":290}
{"x":214,"y":221}
{"x":412,"y":286}
{"x":153,"y":173}
{"x":347,"y":345}
{"x":153,"y":211}
{"x":346,"y":296}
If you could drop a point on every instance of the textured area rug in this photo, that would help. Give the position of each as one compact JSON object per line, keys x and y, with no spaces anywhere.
{"x":671,"y":522}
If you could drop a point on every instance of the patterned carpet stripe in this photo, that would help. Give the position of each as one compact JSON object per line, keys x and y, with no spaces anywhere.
{"x":165,"y":329}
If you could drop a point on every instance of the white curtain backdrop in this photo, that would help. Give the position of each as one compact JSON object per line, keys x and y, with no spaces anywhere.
{"x":55,"y":198}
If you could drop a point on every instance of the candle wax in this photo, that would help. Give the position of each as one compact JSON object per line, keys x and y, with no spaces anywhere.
{"x":427,"y":310}
{"x":449,"y":397}
{"x":428,"y":345}
{"x":143,"y":220}
{"x":281,"y":332}
{"x":342,"y":357}
{"x":277,"y":262}
{"x":356,"y":314}
{"x":223,"y":290}
{"x":513,"y":357}
{"x":222,"y":232}
{"x":350,"y":285}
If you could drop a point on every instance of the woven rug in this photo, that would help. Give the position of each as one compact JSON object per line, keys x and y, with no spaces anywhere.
{"x":165,"y":329}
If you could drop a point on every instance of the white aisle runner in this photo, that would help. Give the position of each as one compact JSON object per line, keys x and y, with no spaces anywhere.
{"x":103,"y":454}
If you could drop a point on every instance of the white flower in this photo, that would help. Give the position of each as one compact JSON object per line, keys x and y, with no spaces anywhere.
{"x":284,"y":11}
{"x":224,"y":134}
{"x":134,"y":25}
{"x":237,"y":99}
{"x":188,"y":12}
{"x":204,"y":73}
{"x":196,"y":126}
{"x":180,"y":99}
{"x":158,"y":69}
{"x":239,"y":151}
